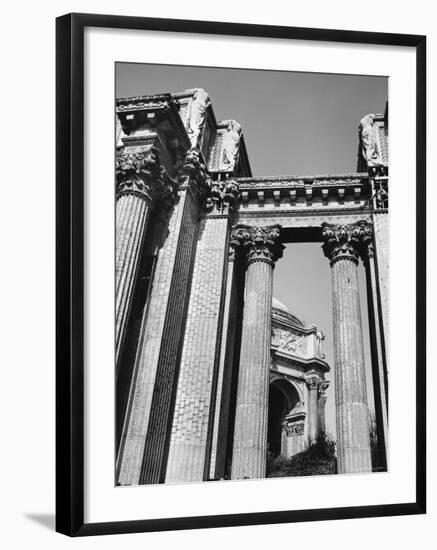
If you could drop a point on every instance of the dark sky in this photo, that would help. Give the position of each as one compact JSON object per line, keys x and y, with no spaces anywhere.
{"x":293,"y":124}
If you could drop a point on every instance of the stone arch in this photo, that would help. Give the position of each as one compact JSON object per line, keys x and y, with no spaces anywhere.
{"x":283,"y":397}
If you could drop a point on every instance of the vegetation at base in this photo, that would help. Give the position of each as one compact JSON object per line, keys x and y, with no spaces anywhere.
{"x":377,"y":458}
{"x":318,"y":459}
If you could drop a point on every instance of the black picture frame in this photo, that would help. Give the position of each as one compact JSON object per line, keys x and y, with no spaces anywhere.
{"x":70,"y":273}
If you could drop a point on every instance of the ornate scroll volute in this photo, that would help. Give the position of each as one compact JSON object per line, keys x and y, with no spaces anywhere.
{"x":223,"y":197}
{"x":195,"y":176}
{"x":346,"y":242}
{"x":259,"y":244}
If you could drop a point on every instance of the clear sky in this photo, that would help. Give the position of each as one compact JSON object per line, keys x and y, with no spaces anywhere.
{"x":293,"y":124}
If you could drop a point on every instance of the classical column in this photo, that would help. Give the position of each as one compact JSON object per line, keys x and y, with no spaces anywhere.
{"x":193,"y":418}
{"x":140,"y":184}
{"x":312,"y":381}
{"x":225,"y":370}
{"x":323,"y":386}
{"x":380,"y":261}
{"x":342,"y":246}
{"x":379,"y":365}
{"x":250,"y":433}
{"x":144,"y":443}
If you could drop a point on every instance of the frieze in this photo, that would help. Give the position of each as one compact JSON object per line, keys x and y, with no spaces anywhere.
{"x":292,"y":182}
{"x":286,"y":340}
{"x":142,"y":103}
{"x":293,"y":429}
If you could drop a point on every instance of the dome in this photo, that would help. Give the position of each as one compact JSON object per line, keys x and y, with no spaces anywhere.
{"x":279,"y":309}
{"x":276,"y":304}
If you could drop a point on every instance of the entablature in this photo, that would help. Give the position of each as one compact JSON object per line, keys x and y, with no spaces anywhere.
{"x":295,"y":193}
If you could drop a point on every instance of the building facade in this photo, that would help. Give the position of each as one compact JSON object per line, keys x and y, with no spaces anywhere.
{"x":210,"y":372}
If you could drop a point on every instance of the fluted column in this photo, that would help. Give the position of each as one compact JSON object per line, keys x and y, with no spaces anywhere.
{"x":250,"y":434}
{"x":140,"y":185}
{"x":193,"y":418}
{"x":221,"y":414}
{"x":312,"y":382}
{"x":342,"y":246}
{"x":144,"y":443}
{"x":379,"y":370}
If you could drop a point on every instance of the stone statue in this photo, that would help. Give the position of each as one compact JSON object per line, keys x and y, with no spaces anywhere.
{"x":369,"y":141}
{"x":197,"y":115}
{"x":231,"y":144}
{"x":119,"y":133}
{"x":319,"y":339}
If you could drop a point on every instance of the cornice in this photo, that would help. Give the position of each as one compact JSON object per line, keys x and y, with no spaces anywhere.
{"x":299,"y":361}
{"x":300,"y":181}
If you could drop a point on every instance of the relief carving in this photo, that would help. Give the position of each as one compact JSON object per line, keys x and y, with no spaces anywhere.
{"x":293,"y":429}
{"x":285,"y":340}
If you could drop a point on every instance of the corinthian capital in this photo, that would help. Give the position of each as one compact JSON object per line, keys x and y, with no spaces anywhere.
{"x":260,"y":243}
{"x":312,"y":381}
{"x":223,"y":197}
{"x":143,"y":165}
{"x":346,"y":242}
{"x":141,"y":174}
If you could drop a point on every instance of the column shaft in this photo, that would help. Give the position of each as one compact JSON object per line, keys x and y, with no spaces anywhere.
{"x":223,"y":394}
{"x":353,"y":442}
{"x":191,"y":434}
{"x":314,"y":413}
{"x":321,"y":412}
{"x":380,"y":222}
{"x":250,"y":434}
{"x":378,"y":360}
{"x":132,"y":212}
{"x":145,"y":435}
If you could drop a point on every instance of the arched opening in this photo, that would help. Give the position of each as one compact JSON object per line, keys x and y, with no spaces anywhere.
{"x":283,"y":397}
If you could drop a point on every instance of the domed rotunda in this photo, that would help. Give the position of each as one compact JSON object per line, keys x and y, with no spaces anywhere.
{"x":297,"y":392}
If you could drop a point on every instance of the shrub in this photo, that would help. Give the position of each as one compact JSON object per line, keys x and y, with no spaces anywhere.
{"x":318,"y":459}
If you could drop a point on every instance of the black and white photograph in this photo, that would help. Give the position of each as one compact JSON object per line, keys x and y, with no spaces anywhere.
{"x":251,"y":274}
{"x":215,"y":275}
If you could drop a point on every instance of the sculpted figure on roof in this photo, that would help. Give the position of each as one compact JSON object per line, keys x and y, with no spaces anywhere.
{"x":197,"y":116}
{"x":369,"y":141}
